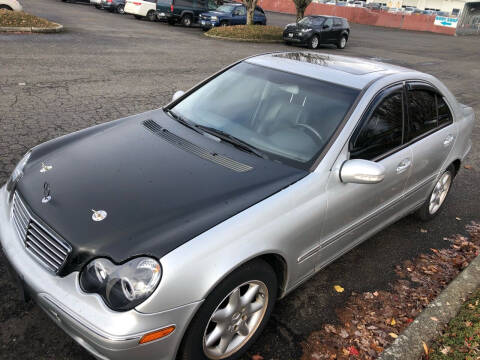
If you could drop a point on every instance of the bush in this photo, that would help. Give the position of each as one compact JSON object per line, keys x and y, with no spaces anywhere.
{"x":10,"y":18}
{"x":248,"y":32}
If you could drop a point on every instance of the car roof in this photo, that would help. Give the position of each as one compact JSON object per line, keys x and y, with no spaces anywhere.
{"x":342,"y":70}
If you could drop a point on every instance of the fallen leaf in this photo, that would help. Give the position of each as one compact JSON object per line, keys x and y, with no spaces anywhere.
{"x":339,"y":289}
{"x":393,"y":335}
{"x":468,"y":323}
{"x":468,"y":166}
{"x":425,"y":348}
{"x":445,"y":350}
{"x":375,"y":293}
{"x":257,"y":357}
{"x":353,"y":351}
{"x":423,"y":230}
{"x":457,"y":218}
{"x":434,"y":318}
{"x":393,"y":322}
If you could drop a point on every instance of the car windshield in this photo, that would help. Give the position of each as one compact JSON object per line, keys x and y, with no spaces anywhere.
{"x":284,"y":117}
{"x":226,"y":8}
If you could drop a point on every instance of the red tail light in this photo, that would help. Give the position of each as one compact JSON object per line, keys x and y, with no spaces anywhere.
{"x":171,"y":8}
{"x":137,"y":3}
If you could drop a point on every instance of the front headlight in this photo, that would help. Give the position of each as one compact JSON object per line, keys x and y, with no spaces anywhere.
{"x":18,"y":171}
{"x":122,"y":287}
{"x":306,"y":30}
{"x":214,"y":18}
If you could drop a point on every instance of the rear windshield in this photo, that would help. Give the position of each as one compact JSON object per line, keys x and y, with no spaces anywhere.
{"x":287,"y":117}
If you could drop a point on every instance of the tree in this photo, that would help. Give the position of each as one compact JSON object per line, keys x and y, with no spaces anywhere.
{"x":250,"y":5}
{"x":301,"y":6}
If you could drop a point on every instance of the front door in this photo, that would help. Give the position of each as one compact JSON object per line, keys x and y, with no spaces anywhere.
{"x":356,"y":211}
{"x":327,"y":31}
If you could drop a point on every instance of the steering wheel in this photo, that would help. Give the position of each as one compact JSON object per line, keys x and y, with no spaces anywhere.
{"x":312,"y":132}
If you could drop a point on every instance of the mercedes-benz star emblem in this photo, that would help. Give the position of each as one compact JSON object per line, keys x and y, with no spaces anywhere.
{"x":99,"y":215}
{"x":46,"y":193}
{"x":45,"y":168}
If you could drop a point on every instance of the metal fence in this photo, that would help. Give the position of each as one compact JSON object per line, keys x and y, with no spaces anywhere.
{"x":469,"y":22}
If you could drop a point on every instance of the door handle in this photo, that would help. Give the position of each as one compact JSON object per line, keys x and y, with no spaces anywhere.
{"x":404,"y":165}
{"x":448,"y":140}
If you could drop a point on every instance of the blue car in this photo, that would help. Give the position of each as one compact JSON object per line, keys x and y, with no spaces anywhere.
{"x":231,"y":14}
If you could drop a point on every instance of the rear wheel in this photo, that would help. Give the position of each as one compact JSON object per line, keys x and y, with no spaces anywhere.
{"x":233,"y":315}
{"x":342,"y":42}
{"x":120,"y":9}
{"x":431,"y":207}
{"x":187,"y":20}
{"x":224,"y":23}
{"x":5,"y":7}
{"x":151,"y":15}
{"x":314,"y":42}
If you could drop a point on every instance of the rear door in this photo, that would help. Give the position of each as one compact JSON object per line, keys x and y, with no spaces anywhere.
{"x":239,"y":16}
{"x":337,"y":29}
{"x":431,"y":132}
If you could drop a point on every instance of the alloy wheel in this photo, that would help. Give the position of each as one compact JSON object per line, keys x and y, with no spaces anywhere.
{"x":343,"y":42}
{"x":314,"y":42}
{"x":440,"y":192}
{"x":235,"y":320}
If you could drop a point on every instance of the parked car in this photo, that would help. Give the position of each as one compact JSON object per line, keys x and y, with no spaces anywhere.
{"x":384,"y":8}
{"x":408,"y":10}
{"x":185,"y":12}
{"x":359,"y":4}
{"x":315,"y":30}
{"x":117,"y":6}
{"x":231,"y":14}
{"x":96,"y":3}
{"x":141,"y":9}
{"x":11,"y":5}
{"x":429,"y":12}
{"x":169,"y":268}
{"x":373,"y":6}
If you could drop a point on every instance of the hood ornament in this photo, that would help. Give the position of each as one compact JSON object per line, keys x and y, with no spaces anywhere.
{"x":99,"y":215}
{"x":45,"y":168}
{"x":46,"y":193}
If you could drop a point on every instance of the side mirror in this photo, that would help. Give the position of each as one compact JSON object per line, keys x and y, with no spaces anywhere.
{"x":359,"y":171}
{"x":177,"y":94}
{"x":325,"y":27}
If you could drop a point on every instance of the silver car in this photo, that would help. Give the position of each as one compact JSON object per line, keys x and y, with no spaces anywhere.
{"x":170,"y":234}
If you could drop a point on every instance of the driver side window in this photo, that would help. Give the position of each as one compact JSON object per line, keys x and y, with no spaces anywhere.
{"x":329,"y":23}
{"x":240,"y":11}
{"x":382,"y":132}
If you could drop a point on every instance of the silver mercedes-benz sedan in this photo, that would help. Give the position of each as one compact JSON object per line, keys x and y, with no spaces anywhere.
{"x":170,"y":234}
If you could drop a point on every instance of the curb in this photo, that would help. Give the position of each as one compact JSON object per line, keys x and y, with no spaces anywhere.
{"x":432,"y":320}
{"x":243,"y":40}
{"x":58,"y":28}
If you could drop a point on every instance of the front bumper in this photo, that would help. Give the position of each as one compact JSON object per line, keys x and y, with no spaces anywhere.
{"x":296,"y":37}
{"x":106,"y":334}
{"x":208,"y":24}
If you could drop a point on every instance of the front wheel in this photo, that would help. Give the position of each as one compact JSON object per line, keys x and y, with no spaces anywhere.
{"x":121,"y":9}
{"x":314,"y":42}
{"x":5,"y":7}
{"x":436,"y":199}
{"x":224,"y":23}
{"x":342,"y":42}
{"x":233,"y":315}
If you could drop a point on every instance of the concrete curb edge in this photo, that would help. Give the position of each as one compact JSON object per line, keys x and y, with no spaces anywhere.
{"x":243,"y":40}
{"x":432,"y":320}
{"x":58,"y":28}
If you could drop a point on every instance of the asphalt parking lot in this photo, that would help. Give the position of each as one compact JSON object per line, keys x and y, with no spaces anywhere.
{"x":106,"y":66}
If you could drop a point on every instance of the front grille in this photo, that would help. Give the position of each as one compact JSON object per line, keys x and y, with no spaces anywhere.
{"x":40,"y":241}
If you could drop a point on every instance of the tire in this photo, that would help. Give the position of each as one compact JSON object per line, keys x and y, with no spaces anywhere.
{"x":5,"y":7}
{"x":138,"y":17}
{"x":288,"y":43}
{"x":434,"y":203}
{"x":151,"y":16}
{"x":187,"y":20}
{"x":120,"y":9}
{"x":224,"y":23}
{"x":314,"y":42}
{"x":255,"y":274}
{"x":99,"y":7}
{"x":342,"y":42}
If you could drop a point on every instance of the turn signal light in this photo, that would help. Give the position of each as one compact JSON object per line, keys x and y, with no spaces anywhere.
{"x":155,"y":335}
{"x":171,"y":8}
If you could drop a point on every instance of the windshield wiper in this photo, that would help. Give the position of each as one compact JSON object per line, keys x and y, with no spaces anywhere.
{"x":182,"y":120}
{"x":232,"y":140}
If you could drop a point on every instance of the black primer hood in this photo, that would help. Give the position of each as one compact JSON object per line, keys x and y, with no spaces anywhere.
{"x":158,"y":193}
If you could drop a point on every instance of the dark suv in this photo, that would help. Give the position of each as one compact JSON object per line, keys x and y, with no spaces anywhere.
{"x":231,"y":14}
{"x":315,"y":30}
{"x":185,"y":12}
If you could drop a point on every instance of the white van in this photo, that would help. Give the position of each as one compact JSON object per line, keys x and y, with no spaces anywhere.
{"x":142,"y":8}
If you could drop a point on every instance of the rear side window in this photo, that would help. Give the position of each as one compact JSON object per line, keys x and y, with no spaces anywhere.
{"x":422,"y":112}
{"x":185,"y":3}
{"x":382,"y":132}
{"x":444,"y":114}
{"x":337,"y":22}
